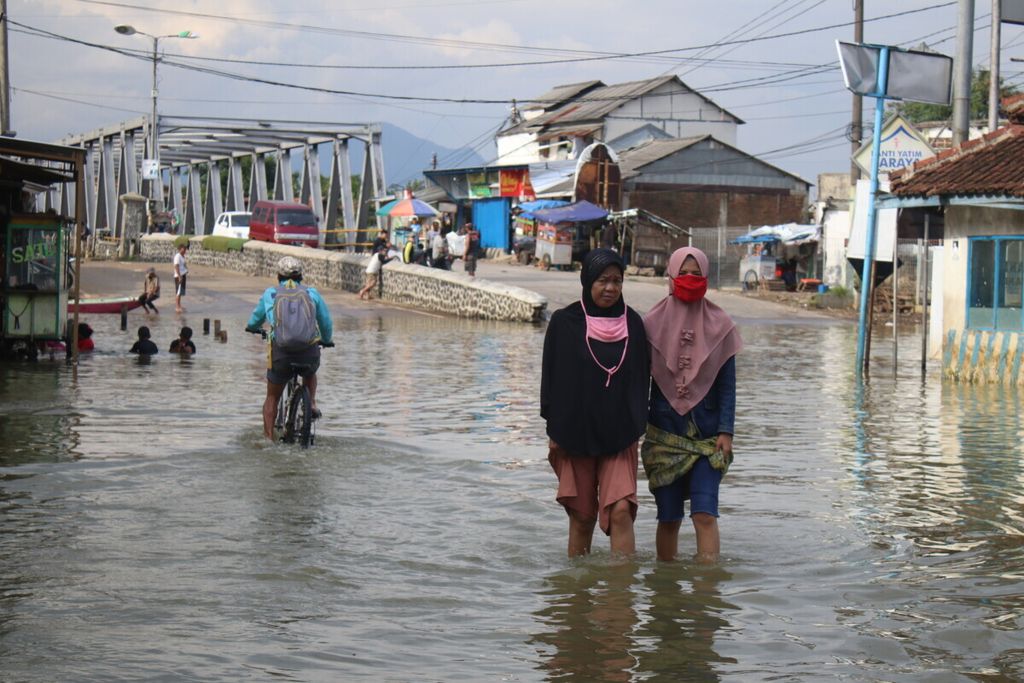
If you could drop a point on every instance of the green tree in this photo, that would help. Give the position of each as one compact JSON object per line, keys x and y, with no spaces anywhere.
{"x":918,"y":112}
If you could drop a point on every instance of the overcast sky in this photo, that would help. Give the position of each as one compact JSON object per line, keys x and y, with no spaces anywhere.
{"x":798,"y":124}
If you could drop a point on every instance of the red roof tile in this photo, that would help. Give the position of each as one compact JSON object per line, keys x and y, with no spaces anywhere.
{"x":990,"y":165}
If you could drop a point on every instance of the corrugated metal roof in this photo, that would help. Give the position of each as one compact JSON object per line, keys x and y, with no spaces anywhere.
{"x":558,"y":95}
{"x":594,"y":104}
{"x":631,"y":160}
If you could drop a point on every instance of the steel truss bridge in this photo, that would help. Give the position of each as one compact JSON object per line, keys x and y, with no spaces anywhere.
{"x":196,"y":150}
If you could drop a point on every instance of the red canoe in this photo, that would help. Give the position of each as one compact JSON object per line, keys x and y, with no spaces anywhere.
{"x":113,"y":304}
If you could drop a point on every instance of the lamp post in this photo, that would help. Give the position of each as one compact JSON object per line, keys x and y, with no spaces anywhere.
{"x":154,"y":143}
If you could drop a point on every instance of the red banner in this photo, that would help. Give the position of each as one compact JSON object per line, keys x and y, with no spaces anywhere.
{"x":515,"y":183}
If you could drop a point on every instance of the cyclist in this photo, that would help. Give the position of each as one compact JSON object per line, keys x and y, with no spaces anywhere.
{"x":279,"y":360}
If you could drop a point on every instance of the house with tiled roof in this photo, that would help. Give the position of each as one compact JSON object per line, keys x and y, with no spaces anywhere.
{"x":979,"y":300}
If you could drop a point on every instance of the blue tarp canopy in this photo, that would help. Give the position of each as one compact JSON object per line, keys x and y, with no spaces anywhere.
{"x":788,"y":233}
{"x":577,"y":212}
{"x":529,"y":208}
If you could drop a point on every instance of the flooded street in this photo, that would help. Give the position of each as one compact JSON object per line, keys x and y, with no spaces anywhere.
{"x":147,"y":532}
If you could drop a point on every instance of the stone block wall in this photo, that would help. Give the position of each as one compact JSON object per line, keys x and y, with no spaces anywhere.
{"x":416,"y":286}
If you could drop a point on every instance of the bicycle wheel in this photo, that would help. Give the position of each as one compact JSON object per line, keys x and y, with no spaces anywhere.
{"x":282,"y":405}
{"x":299,"y":425}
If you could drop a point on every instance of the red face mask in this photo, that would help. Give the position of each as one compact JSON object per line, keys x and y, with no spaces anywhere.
{"x":689,"y":288}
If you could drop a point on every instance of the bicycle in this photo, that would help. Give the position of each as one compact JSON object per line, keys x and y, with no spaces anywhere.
{"x":294,"y":419}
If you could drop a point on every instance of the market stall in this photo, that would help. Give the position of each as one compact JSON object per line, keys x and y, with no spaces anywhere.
{"x":563,"y":233}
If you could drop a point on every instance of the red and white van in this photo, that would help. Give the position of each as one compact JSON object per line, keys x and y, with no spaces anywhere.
{"x":284,"y":223}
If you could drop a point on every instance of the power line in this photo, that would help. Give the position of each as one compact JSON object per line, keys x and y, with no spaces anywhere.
{"x":500,"y":46}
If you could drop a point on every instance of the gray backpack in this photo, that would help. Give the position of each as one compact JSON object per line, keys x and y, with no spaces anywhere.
{"x":295,"y":327}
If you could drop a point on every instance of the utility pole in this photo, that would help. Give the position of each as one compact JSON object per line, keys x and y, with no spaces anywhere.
{"x":962,"y":72}
{"x":5,"y":78}
{"x":857,"y":118}
{"x":993,"y":73}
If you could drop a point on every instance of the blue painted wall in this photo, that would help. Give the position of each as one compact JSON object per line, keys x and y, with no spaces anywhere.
{"x":491,"y":217}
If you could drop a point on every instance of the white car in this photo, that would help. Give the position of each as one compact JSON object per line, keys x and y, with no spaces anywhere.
{"x":233,"y":224}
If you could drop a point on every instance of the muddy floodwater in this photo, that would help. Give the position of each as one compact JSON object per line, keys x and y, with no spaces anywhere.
{"x":147,"y":532}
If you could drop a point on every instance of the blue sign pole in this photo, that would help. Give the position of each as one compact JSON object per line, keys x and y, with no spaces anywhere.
{"x":866,"y":278}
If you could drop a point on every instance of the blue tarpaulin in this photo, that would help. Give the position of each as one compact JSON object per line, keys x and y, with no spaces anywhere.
{"x":529,"y":208}
{"x":573,"y":213}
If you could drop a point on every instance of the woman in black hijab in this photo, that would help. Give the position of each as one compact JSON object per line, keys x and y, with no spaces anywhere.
{"x":593,"y":394}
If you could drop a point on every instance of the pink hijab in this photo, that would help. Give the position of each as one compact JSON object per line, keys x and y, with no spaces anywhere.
{"x":690,"y":342}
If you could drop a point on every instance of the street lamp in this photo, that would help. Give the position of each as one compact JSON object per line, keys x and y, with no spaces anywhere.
{"x":154,"y":148}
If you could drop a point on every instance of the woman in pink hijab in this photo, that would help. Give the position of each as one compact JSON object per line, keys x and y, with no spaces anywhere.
{"x":688,"y":444}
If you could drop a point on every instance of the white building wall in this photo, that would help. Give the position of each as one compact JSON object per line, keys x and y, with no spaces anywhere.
{"x":681,"y":115}
{"x":835,"y":233}
{"x":518,"y":149}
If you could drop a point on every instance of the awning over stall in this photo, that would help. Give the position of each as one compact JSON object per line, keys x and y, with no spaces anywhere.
{"x":577,"y":212}
{"x":788,"y":233}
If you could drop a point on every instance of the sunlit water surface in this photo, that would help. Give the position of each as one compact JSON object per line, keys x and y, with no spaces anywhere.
{"x":148,"y":533}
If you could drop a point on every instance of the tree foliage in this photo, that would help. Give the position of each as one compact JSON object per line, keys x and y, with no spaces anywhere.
{"x":918,"y":112}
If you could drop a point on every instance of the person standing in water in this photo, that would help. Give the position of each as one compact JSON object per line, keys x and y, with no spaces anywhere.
{"x":688,"y":444}
{"x":594,"y":384}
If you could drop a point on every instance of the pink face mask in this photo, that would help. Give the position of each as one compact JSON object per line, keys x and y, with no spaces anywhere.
{"x":607,"y":330}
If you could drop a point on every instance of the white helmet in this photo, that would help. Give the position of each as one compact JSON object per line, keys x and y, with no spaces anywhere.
{"x":289,"y":268}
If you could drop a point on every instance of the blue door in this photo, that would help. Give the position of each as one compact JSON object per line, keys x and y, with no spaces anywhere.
{"x":491,"y":218}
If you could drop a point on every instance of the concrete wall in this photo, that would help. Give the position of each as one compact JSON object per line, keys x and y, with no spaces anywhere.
{"x":971,"y":355}
{"x":424,"y":288}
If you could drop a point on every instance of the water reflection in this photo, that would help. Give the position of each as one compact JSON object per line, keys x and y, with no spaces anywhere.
{"x":683,"y":615}
{"x":589,"y":623}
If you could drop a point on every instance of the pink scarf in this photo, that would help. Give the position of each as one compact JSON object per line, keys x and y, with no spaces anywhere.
{"x":690,"y":342}
{"x":607,"y":330}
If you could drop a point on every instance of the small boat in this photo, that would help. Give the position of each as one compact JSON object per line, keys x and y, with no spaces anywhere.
{"x":110,"y":304}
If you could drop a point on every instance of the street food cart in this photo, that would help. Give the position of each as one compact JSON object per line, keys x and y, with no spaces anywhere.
{"x":35,"y":278}
{"x":564,"y":232}
{"x":772,"y":249}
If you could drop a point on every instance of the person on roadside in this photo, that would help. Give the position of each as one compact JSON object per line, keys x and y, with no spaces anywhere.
{"x":688,"y":444}
{"x":439,"y":252}
{"x":373,"y":268}
{"x":183,"y":344}
{"x":150,"y":291}
{"x":144,"y":346}
{"x":380,"y":242}
{"x":300,"y":323}
{"x":433,"y":232}
{"x":595,"y":380}
{"x":180,"y":276}
{"x":469,"y":256}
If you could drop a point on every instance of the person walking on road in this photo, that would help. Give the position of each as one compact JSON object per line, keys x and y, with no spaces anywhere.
{"x":472,"y":247}
{"x":180,"y":276}
{"x":595,"y":378}
{"x":688,"y":444}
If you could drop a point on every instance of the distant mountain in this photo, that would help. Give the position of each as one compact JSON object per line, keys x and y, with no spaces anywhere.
{"x":407,"y":156}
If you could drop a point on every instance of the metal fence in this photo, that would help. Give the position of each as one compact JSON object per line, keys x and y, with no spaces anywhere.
{"x":724,"y":258}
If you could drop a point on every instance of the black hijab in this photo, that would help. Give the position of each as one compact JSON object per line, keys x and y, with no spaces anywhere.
{"x":583,"y":416}
{"x":594,"y":264}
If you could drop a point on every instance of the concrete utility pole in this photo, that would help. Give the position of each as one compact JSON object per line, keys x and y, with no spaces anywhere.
{"x":993,"y":74}
{"x":962,"y":72}
{"x":5,"y":80}
{"x":857,"y":118}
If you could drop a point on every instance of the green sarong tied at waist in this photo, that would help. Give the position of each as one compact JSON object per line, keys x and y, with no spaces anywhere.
{"x":667,"y":456}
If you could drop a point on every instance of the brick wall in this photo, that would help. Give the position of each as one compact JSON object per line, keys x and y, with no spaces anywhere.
{"x":412,"y":285}
{"x":703,"y":207}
